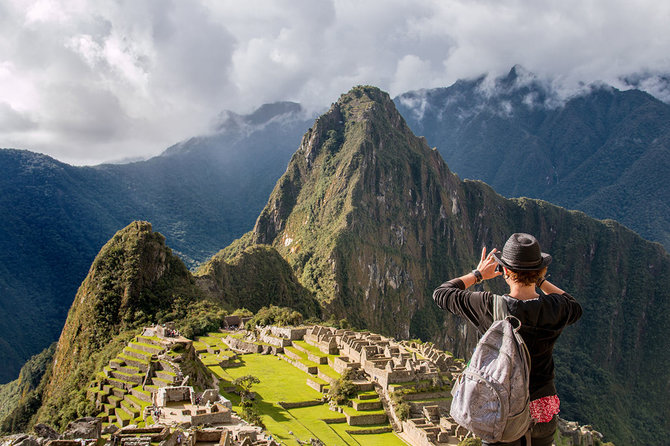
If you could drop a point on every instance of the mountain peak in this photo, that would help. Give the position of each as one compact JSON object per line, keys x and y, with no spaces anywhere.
{"x":229,"y":121}
{"x":345,"y":140}
{"x":357,"y":166}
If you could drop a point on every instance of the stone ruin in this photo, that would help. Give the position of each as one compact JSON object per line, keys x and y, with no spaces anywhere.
{"x":387,"y":362}
{"x":577,"y":435}
{"x":223,"y":436}
{"x":280,"y":337}
{"x":210,"y":408}
{"x":432,"y":427}
{"x":323,"y":338}
{"x":235,"y":322}
{"x":134,"y":436}
{"x":383,"y":359}
{"x":164,"y":395}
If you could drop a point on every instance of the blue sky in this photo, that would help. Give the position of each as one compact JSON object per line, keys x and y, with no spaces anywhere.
{"x":92,"y":81}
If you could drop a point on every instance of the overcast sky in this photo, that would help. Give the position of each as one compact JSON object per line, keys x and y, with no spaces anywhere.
{"x":91,"y":81}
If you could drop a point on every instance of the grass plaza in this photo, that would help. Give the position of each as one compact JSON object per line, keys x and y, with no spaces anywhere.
{"x":280,"y":381}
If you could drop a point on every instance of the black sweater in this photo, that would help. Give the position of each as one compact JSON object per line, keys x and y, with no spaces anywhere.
{"x":542,"y":321}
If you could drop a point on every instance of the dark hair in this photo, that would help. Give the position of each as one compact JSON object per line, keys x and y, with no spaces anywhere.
{"x":527,"y":277}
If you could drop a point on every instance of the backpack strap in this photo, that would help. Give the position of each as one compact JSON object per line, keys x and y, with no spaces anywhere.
{"x":500,"y":310}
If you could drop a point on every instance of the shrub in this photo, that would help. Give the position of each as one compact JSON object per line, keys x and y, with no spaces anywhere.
{"x":343,"y":389}
{"x":402,"y":410}
{"x":274,"y":315}
{"x":242,"y":312}
{"x":202,"y":317}
{"x":251,"y":415}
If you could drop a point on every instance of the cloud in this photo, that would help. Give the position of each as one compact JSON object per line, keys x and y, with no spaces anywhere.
{"x":14,"y":121}
{"x":91,"y":81}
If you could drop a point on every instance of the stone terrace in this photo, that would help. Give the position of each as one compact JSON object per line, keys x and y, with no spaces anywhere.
{"x":124,"y":388}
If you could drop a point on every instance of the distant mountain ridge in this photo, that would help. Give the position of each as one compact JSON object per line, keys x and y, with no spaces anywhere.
{"x":201,"y":194}
{"x":605,"y":152}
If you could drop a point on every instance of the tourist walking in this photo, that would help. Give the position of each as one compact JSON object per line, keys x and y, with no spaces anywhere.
{"x":543,"y":309}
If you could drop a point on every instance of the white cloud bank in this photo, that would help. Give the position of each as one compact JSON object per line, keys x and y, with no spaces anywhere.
{"x":89,"y":81}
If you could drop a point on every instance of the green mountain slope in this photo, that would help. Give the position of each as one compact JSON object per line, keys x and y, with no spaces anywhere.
{"x":371,"y":220}
{"x":254,"y":278}
{"x":605,"y":152}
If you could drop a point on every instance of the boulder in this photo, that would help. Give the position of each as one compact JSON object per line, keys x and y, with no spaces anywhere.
{"x":20,"y":440}
{"x":89,"y":427}
{"x":109,"y":429}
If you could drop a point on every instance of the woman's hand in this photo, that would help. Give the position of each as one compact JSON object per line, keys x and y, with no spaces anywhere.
{"x":487,"y":265}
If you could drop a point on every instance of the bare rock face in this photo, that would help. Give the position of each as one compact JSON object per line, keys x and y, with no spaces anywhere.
{"x":45,"y":431}
{"x":89,"y":427}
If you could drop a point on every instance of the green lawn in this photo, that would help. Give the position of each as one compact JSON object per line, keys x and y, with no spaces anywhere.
{"x":280,"y":381}
{"x":328,"y":371}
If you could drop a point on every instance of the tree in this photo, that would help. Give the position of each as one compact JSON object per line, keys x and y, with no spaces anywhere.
{"x":245,"y":383}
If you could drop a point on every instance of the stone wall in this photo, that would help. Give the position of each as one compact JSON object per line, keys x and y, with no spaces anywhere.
{"x":415,"y":435}
{"x":319,"y":387}
{"x":165,"y":395}
{"x":154,"y":434}
{"x":222,"y":416}
{"x":176,"y":439}
{"x":293,"y":405}
{"x":64,"y":443}
{"x":274,"y":340}
{"x":366,"y":420}
{"x":242,"y":345}
{"x":341,"y":363}
{"x":299,"y":365}
{"x":291,"y":333}
{"x":374,"y":430}
{"x":426,"y":395}
{"x":208,"y":435}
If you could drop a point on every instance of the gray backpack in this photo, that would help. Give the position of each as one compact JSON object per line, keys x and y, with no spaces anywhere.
{"x":491,"y":397}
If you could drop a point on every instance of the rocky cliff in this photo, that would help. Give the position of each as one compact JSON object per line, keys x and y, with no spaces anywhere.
{"x":371,"y":220}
